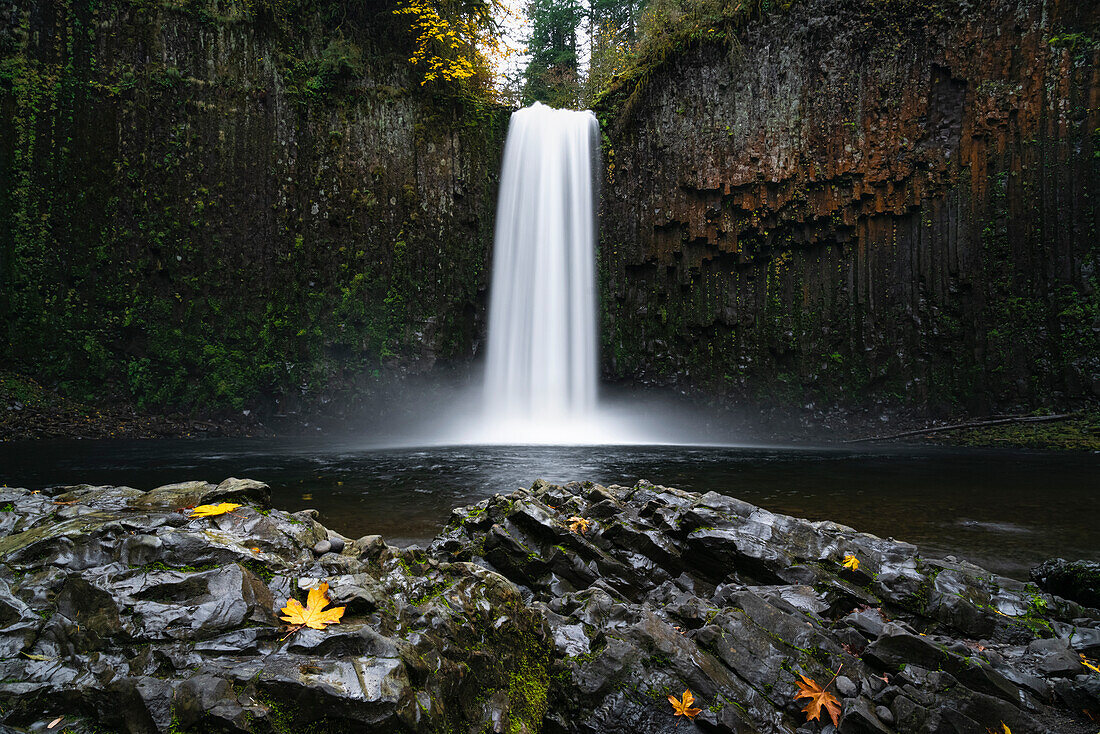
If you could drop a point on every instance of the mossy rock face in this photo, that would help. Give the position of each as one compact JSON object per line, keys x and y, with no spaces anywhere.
{"x":269,"y":200}
{"x":798,"y":209}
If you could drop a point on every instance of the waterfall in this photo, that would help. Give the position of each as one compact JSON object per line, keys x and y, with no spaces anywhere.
{"x":540,"y":382}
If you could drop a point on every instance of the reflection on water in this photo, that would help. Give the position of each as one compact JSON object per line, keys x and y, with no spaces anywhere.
{"x":1005,"y":510}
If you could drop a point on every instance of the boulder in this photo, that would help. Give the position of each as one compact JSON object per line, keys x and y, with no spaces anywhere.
{"x":119,"y":611}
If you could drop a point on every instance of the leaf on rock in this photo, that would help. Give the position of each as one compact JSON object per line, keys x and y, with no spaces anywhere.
{"x":1087,"y":664}
{"x":682,"y":707}
{"x":313,"y":614}
{"x":213,"y":510}
{"x":851,"y":562}
{"x":579,"y":524}
{"x":808,"y":688}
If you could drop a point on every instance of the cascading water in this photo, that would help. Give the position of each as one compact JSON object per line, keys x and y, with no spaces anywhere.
{"x":541,"y":374}
{"x":540,"y":383}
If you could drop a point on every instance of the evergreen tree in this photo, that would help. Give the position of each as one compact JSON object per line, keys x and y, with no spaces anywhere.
{"x":552,"y":74}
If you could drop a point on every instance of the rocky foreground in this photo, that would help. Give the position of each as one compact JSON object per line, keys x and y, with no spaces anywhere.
{"x":121,"y":613}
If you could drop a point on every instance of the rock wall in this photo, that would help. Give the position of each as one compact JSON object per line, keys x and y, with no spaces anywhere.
{"x":222,"y":203}
{"x":850,"y":201}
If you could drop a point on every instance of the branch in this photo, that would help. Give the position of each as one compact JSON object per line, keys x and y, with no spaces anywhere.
{"x":974,"y":424}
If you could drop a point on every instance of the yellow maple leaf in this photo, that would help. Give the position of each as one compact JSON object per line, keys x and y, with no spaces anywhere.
{"x":683,"y":707}
{"x":808,"y":688}
{"x":851,"y":562}
{"x":213,"y":510}
{"x":578,"y":524}
{"x":313,"y":614}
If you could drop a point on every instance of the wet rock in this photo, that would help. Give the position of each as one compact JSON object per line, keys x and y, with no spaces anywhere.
{"x":1077,"y":581}
{"x":729,"y":600}
{"x":139,"y":618}
{"x":132,"y":616}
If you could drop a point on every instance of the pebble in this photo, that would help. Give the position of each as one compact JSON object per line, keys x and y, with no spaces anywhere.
{"x":322,"y":547}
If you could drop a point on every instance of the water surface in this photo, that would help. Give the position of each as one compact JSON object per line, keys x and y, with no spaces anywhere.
{"x":1005,"y":510}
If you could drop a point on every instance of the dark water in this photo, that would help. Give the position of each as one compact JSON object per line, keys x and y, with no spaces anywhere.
{"x":1005,"y":510}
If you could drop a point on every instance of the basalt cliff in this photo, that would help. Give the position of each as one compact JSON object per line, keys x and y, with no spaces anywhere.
{"x":853,"y":201}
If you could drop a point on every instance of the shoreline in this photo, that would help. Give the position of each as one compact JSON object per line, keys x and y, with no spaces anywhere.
{"x":30,"y":412}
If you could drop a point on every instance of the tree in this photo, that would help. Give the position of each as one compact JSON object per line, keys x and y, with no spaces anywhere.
{"x":551,"y":76}
{"x":456,"y":40}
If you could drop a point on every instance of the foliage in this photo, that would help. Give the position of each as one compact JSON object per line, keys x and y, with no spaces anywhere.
{"x":552,"y":74}
{"x":457,"y":41}
{"x":158,"y":246}
{"x":610,"y":55}
{"x":819,"y":697}
{"x":213,"y":510}
{"x":667,"y":26}
{"x":579,"y":524}
{"x":314,"y":614}
{"x":682,"y":707}
{"x":851,"y":562}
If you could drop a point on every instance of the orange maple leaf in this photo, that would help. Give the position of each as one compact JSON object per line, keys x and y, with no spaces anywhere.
{"x":808,"y":688}
{"x":683,"y":707}
{"x":314,"y":613}
{"x":579,"y":524}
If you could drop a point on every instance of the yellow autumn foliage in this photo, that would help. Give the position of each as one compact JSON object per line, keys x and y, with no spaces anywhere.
{"x":456,"y":42}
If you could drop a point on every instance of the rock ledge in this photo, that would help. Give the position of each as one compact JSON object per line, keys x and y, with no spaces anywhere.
{"x":120,"y":611}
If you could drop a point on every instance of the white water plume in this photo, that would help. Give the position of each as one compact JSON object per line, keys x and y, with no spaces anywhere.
{"x":541,"y":377}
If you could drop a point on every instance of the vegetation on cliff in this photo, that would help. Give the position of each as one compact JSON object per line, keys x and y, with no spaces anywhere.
{"x":224,"y":204}
{"x":856,"y":202}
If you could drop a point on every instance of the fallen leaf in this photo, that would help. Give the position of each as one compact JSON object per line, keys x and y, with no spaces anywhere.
{"x":314,"y":613}
{"x":55,"y":722}
{"x":851,"y":562}
{"x":32,"y":656}
{"x":1087,"y":664}
{"x":578,"y":524}
{"x":808,"y":688}
{"x":254,"y":550}
{"x":213,"y":510}
{"x":683,"y":707}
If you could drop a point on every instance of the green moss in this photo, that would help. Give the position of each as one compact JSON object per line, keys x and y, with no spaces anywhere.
{"x":143,"y":263}
{"x":1079,"y":433}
